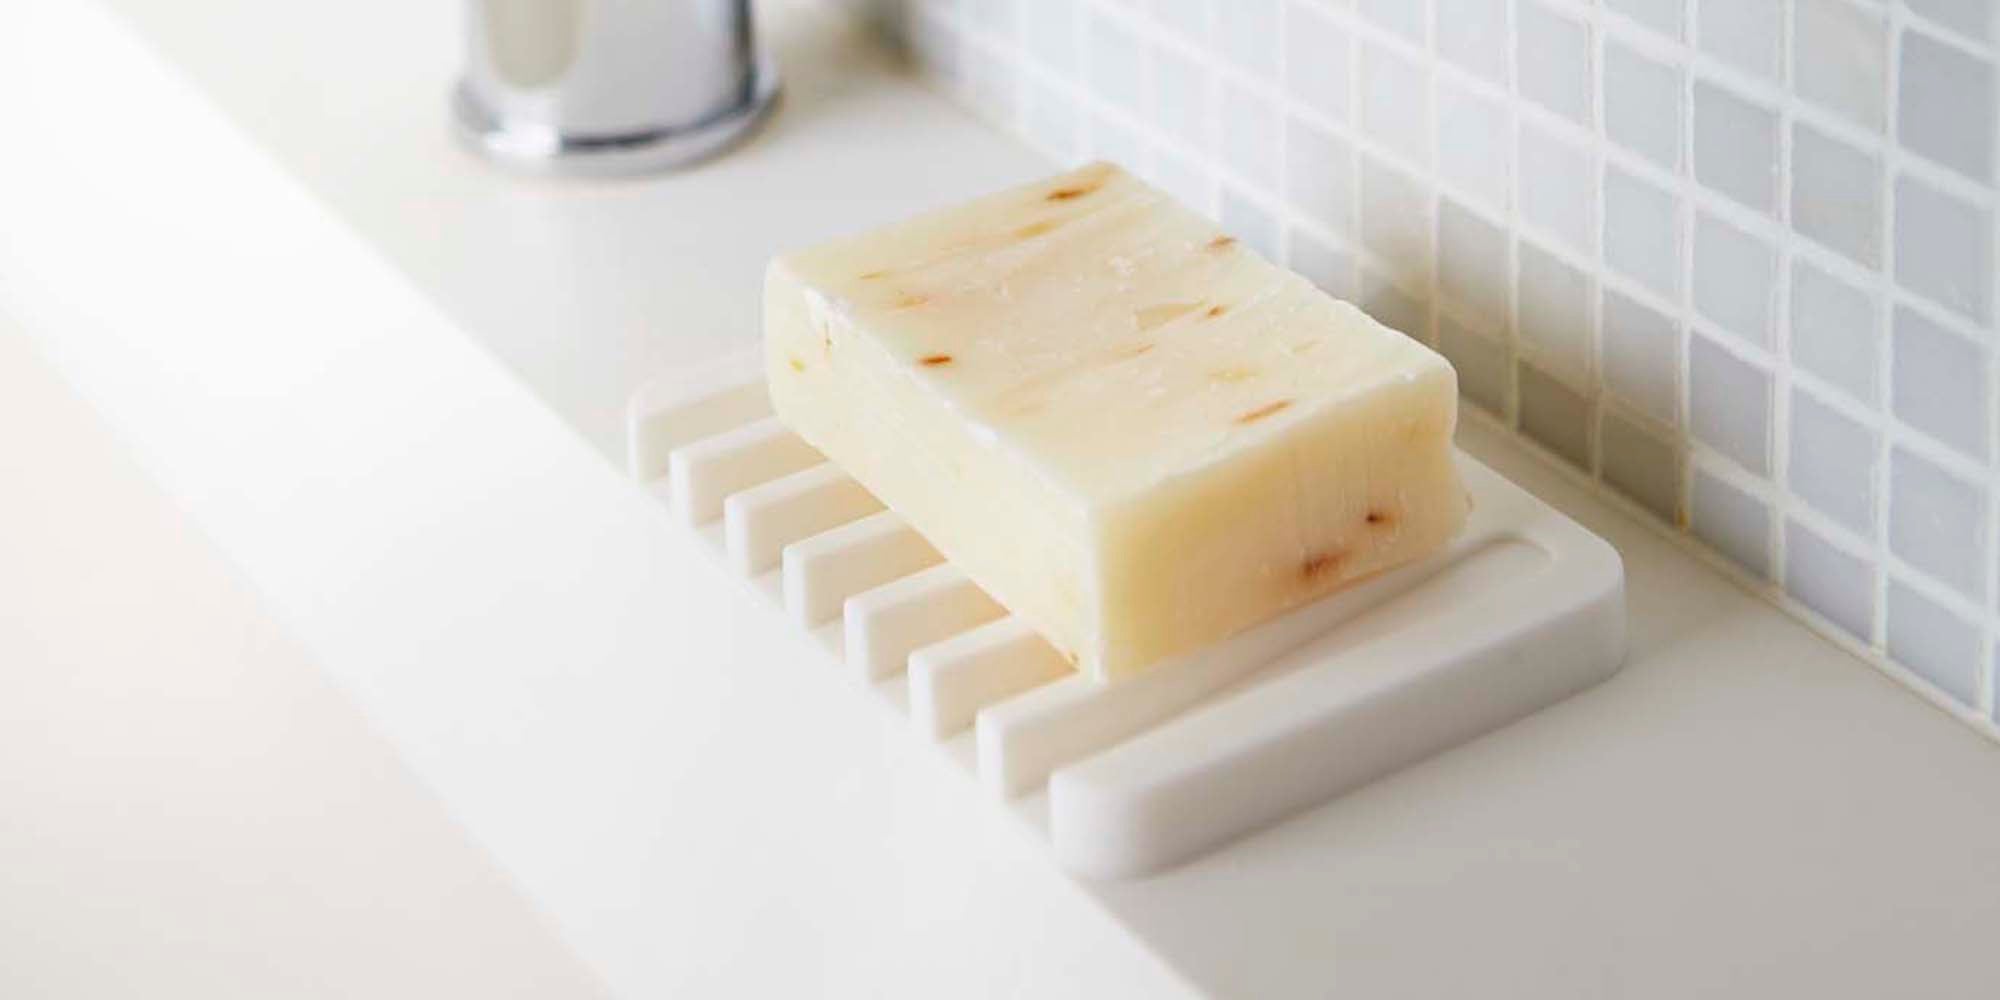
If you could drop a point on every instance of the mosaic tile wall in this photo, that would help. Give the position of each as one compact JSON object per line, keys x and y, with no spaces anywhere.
{"x":1732,"y":260}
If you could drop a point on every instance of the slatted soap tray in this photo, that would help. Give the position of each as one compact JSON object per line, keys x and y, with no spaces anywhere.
{"x":1522,"y":610}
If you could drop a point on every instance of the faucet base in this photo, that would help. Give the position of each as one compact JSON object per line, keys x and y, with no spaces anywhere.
{"x":540,"y":149}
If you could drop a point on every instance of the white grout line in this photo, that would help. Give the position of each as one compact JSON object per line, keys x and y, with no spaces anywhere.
{"x":1778,"y":435}
{"x":1885,"y":306}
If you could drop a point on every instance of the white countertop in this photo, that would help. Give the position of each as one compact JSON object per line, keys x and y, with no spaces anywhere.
{"x":284,"y":292}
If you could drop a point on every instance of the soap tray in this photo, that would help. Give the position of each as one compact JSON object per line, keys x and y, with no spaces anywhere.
{"x":1522,"y":610}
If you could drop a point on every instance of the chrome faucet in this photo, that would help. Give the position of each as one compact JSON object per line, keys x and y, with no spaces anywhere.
{"x":610,"y":86}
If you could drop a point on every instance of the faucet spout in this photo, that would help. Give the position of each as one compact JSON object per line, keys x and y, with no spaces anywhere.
{"x":605,"y":87}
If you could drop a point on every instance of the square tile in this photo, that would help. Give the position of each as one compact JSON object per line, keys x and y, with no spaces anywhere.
{"x":1473,"y":34}
{"x":1742,"y":33}
{"x":992,"y":84}
{"x":1053,"y":35}
{"x":1937,"y":523}
{"x":1831,"y":464}
{"x":1833,"y":331}
{"x":1193,"y":20}
{"x":1395,"y":102}
{"x":1642,"y":231}
{"x":1840,"y":56}
{"x":1474,"y":143}
{"x":1049,"y":116}
{"x":1117,"y":64}
{"x":1253,"y":136}
{"x":1642,"y":356}
{"x":935,"y":45}
{"x":1552,"y":56}
{"x":1000,"y":17}
{"x":1642,"y":104}
{"x":1944,"y":249}
{"x":1110,"y":139}
{"x":1554,"y":303}
{"x":1641,"y":465}
{"x":1937,"y":644}
{"x":1832,"y":581}
{"x":1246,"y":33}
{"x":1729,"y":404}
{"x":1183,"y":98}
{"x":1735,"y":279}
{"x":1323,"y":264}
{"x":1944,"y":108}
{"x":1939,"y":383}
{"x":1970,"y":17}
{"x":1190,"y":181}
{"x":1395,"y":219}
{"x":1837,"y":194}
{"x":1317,"y":64}
{"x":1472,"y":265}
{"x":1391,"y":305}
{"x":1557,"y":194}
{"x":1555,"y":415}
{"x":1481,"y":363}
{"x":1663,"y":16}
{"x":1735,"y":146}
{"x":1319,"y":175}
{"x":1732,"y":521}
{"x":1251,"y":222}
{"x":1399,"y":16}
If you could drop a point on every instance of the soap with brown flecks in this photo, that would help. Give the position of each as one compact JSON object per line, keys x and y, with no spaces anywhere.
{"x":1126,"y":426}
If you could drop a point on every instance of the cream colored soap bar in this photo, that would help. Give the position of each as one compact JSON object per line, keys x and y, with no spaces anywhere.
{"x":1135,"y":433}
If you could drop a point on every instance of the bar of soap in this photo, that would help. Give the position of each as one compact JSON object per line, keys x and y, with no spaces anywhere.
{"x":1127,"y":427}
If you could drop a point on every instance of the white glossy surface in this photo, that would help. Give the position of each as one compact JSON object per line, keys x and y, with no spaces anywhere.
{"x":822,"y":572}
{"x":886,"y":624}
{"x":701,"y":474}
{"x":1745,"y":811}
{"x":953,"y":680}
{"x":761,"y":521}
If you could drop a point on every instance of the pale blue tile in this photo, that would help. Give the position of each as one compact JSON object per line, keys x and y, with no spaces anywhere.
{"x":1735,"y":146}
{"x":1735,"y":279}
{"x":1745,"y":34}
{"x":1641,"y":465}
{"x":1837,"y":584}
{"x":1481,"y":362}
{"x":1642,"y":231}
{"x":1834,"y":331}
{"x":1937,"y":523}
{"x":1555,"y":415}
{"x":1473,"y":34}
{"x":1557,"y":194}
{"x":1945,"y":108}
{"x":1939,"y":384}
{"x":1472,"y":264}
{"x":1554,"y":308}
{"x":1251,"y":223}
{"x":1935,"y":642}
{"x":1317,"y":64}
{"x":1642,"y":104}
{"x":1319,"y":175}
{"x":1552,"y":56}
{"x":1944,"y":248}
{"x":1729,"y":404}
{"x":1840,"y":59}
{"x":1732,"y":521}
{"x":1832,"y":463}
{"x":1837,"y":194}
{"x":1642,"y":356}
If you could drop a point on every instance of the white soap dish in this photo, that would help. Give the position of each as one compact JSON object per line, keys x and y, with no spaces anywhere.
{"x":1524,"y":609}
